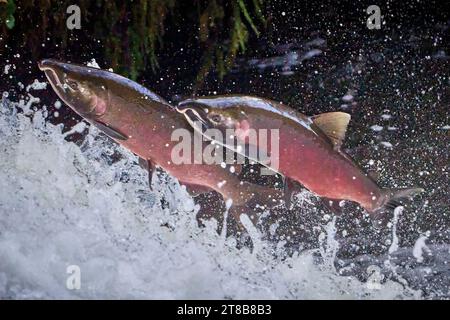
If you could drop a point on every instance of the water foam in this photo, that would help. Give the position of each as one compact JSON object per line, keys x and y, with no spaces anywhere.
{"x":62,"y":204}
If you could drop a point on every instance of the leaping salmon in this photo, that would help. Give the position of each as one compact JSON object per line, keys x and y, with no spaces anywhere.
{"x":309,"y":147}
{"x":143,"y":122}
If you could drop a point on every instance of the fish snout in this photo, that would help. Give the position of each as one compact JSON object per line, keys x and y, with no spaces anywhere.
{"x":193,"y":110}
{"x":183,"y":106}
{"x":50,"y":64}
{"x":54,"y":70}
{"x":42,"y":64}
{"x":195,"y":115}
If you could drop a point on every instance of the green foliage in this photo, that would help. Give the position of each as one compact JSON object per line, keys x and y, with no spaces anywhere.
{"x":133,"y":32}
{"x":8,"y":13}
{"x":247,"y":16}
{"x":221,"y":50}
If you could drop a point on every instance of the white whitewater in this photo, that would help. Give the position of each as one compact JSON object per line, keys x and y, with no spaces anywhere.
{"x":62,"y":204}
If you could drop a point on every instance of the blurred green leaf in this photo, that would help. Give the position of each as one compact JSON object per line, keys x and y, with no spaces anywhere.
{"x":10,"y":21}
{"x":247,"y":16}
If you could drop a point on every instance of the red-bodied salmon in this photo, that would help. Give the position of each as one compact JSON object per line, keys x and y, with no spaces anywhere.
{"x":143,"y":122}
{"x":309,"y":148}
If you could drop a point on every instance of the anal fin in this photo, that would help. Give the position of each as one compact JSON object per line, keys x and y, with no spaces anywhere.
{"x":290,"y":187}
{"x":148,"y":165}
{"x":195,"y":189}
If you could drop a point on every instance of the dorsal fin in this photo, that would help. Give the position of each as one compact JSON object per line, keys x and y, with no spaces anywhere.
{"x":334,"y":125}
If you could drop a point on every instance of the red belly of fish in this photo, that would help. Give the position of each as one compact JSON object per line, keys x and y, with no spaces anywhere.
{"x":314,"y":163}
{"x":152,"y":140}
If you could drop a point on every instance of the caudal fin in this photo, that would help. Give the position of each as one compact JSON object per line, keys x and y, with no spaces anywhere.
{"x":392,"y":199}
{"x":395,"y":197}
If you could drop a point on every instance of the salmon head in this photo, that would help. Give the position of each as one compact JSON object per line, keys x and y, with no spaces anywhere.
{"x":84,"y":89}
{"x":99,"y":96}
{"x":204,"y":114}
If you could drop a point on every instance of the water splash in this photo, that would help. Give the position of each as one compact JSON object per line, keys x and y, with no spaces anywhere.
{"x":62,"y":204}
{"x":394,"y":244}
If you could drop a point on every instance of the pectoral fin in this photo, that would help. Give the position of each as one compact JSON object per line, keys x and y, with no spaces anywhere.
{"x":333,"y":125}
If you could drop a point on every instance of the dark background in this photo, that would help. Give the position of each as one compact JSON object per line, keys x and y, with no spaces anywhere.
{"x":401,"y":70}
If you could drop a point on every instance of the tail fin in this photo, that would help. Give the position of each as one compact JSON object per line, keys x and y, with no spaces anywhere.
{"x":392,"y":198}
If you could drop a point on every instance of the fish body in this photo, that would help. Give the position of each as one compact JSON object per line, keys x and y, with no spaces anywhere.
{"x":308,"y":147}
{"x":143,"y":122}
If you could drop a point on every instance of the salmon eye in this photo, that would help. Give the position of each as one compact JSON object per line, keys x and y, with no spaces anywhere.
{"x":72,"y":84}
{"x":215,"y":118}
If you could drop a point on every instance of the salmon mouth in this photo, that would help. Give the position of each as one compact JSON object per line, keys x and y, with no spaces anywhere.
{"x":51,"y":75}
{"x":194,"y":118}
{"x":50,"y":68}
{"x":42,"y":66}
{"x":54,"y":71}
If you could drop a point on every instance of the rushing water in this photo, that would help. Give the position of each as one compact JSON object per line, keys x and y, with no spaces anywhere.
{"x":89,"y":205}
